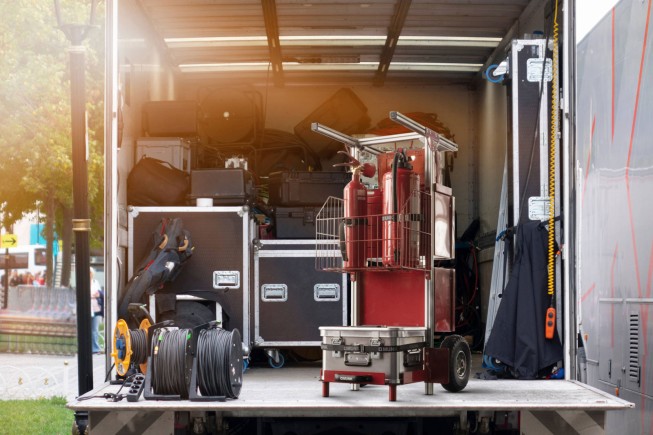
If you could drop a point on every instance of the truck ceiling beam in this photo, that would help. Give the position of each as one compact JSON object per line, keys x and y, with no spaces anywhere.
{"x":394,"y":31}
{"x":274,"y":46}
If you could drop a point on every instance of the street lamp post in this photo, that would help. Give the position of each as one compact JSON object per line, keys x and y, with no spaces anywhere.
{"x":76,"y":34}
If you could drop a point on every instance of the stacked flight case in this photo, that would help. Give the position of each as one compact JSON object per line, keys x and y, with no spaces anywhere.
{"x":291,"y":298}
{"x":269,"y":290}
{"x":219,"y":269}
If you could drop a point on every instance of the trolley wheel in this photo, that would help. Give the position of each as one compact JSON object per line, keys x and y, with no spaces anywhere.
{"x":460,"y":362}
{"x":277,"y":365}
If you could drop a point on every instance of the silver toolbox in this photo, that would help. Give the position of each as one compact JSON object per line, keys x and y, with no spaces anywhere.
{"x":349,"y":352}
{"x":291,"y":298}
{"x":219,"y":269}
{"x":173,"y":150}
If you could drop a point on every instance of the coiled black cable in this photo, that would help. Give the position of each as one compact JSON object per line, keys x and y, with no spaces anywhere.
{"x":169,"y":364}
{"x":139,"y":346}
{"x":214,"y":355}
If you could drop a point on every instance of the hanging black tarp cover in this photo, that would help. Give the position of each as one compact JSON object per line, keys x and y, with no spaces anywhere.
{"x":517,"y":338}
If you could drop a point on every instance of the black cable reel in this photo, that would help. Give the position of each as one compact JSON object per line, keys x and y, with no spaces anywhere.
{"x":217,"y":364}
{"x":200,"y":364}
{"x":130,"y":348}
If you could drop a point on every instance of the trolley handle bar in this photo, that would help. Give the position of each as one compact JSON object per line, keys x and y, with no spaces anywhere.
{"x":349,"y":141}
{"x":334,"y":134}
{"x":443,"y":143}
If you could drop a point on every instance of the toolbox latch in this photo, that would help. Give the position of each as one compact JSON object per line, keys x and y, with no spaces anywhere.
{"x":336,"y":342}
{"x":376,"y":342}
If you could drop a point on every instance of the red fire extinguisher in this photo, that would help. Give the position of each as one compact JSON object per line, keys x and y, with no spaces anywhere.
{"x":401,"y":214}
{"x":352,"y":231}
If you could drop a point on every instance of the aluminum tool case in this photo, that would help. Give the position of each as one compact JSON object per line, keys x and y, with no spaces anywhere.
{"x":292,"y":299}
{"x":219,"y":269}
{"x":173,"y":150}
{"x":372,"y":354}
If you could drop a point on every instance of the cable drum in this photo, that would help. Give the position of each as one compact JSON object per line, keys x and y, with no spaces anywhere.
{"x":130,"y":347}
{"x":220,"y":365}
{"x":139,"y":346}
{"x":170,"y":366}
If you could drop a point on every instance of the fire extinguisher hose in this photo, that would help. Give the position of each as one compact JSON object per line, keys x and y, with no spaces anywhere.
{"x":395,"y":199}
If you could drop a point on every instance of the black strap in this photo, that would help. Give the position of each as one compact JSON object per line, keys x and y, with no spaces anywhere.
{"x":371,"y":349}
{"x":355,"y":221}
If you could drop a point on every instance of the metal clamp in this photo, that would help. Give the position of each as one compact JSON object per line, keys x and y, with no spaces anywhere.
{"x":81,"y":225}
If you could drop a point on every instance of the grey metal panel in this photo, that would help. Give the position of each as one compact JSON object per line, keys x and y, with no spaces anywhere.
{"x":630,"y":422}
{"x":615,"y":163}
{"x":611,"y":346}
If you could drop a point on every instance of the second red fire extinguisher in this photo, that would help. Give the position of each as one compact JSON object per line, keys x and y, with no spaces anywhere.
{"x":401,"y":214}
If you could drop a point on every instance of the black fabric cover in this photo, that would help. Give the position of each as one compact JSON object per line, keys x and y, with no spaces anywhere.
{"x":171,"y":248}
{"x":517,"y":338}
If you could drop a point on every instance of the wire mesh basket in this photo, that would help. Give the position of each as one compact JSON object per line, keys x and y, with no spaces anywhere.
{"x":375,"y":241}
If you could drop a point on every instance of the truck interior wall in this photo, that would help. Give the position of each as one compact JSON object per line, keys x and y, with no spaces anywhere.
{"x":492,"y":132}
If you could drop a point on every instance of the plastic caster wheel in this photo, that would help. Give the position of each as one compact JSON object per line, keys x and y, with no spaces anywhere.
{"x":279,"y":364}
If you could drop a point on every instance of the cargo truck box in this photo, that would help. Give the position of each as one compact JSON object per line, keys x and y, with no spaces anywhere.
{"x":450,"y":58}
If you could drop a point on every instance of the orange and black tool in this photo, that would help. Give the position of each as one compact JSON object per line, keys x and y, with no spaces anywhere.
{"x":550,"y":324}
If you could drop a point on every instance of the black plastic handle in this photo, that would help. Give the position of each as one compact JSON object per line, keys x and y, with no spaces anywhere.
{"x":354,"y":379}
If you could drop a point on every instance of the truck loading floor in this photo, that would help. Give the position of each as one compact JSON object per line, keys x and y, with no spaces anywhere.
{"x":295,"y":391}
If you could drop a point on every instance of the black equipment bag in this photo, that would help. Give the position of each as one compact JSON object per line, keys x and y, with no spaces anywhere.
{"x":344,"y":112}
{"x":154,"y":182}
{"x":172,"y":246}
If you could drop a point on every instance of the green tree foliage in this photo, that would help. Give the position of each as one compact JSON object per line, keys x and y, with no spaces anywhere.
{"x":35,"y":137}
